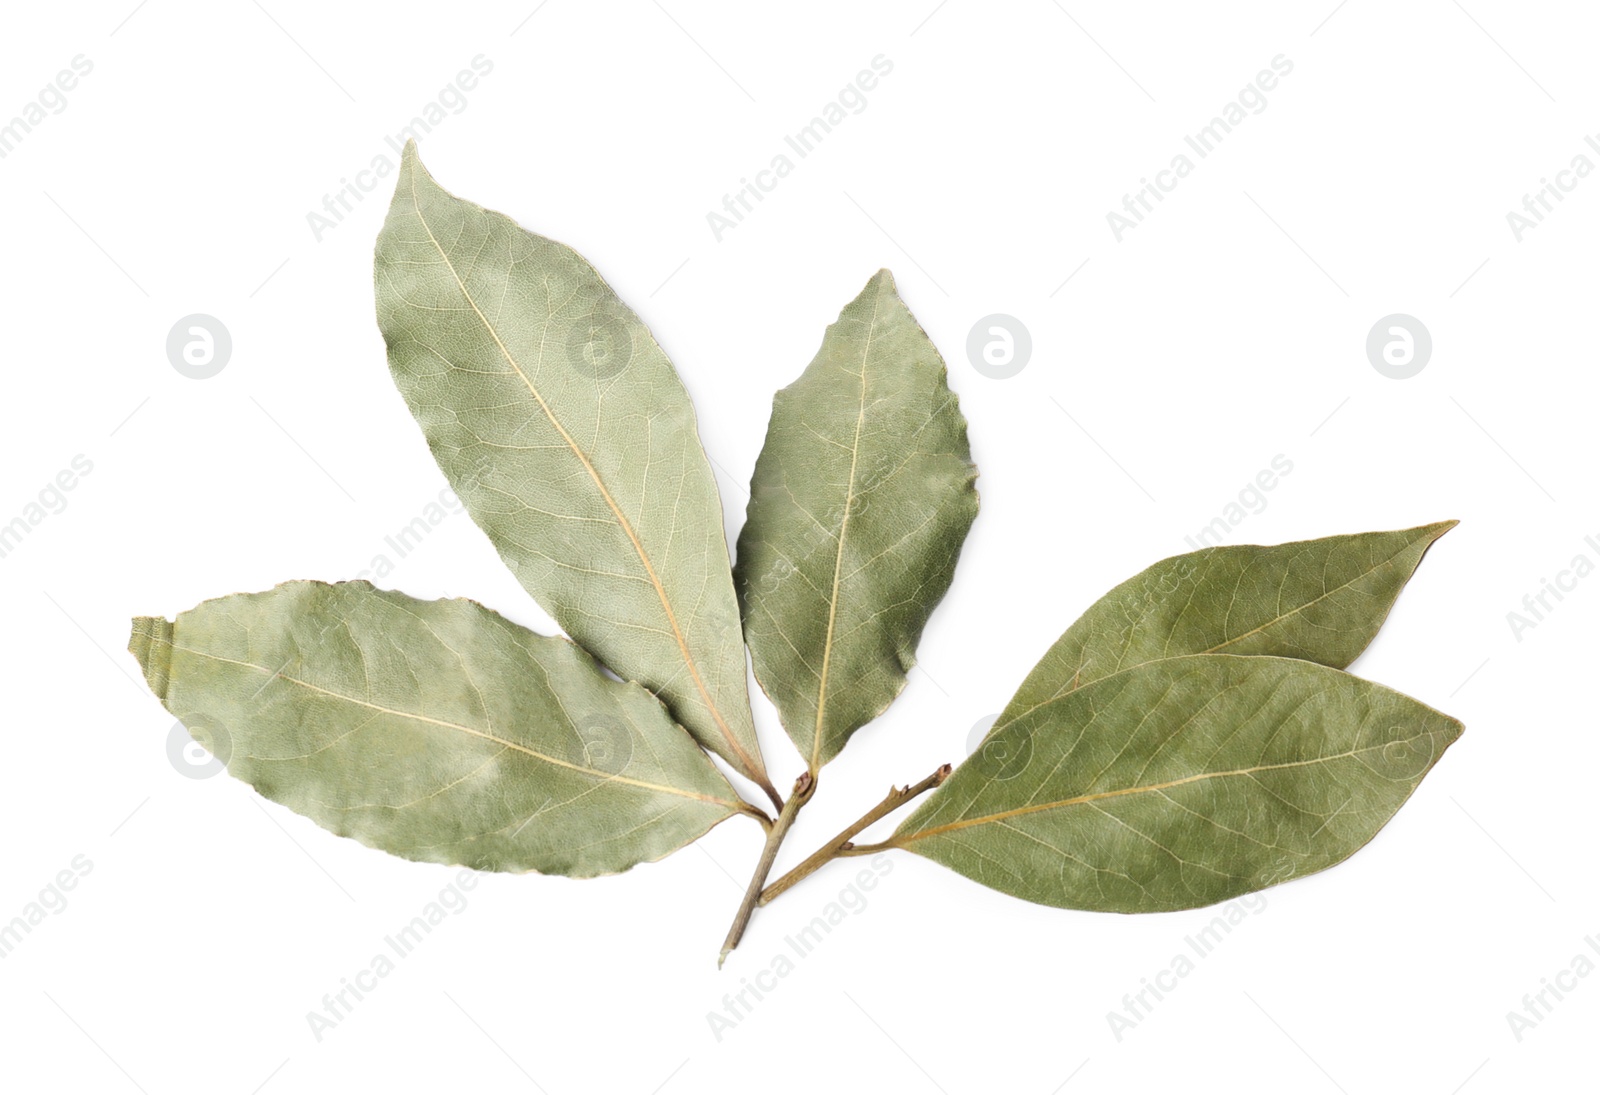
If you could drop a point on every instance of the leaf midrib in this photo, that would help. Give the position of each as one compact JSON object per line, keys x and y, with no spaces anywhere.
{"x":838,"y":557}
{"x":607,"y":777}
{"x":1341,"y":587}
{"x":1079,"y":800}
{"x":746,"y":761}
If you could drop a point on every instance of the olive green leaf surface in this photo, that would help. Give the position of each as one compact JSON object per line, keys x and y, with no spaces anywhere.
{"x":860,"y":501}
{"x":434,"y":730}
{"x":1318,"y":600}
{"x":561,"y":424}
{"x":1180,"y":783}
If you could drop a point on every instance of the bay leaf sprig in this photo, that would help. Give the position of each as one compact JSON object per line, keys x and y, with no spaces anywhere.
{"x":861,"y":499}
{"x":1192,"y":737}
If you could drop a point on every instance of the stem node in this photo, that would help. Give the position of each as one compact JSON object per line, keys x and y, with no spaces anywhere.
{"x":842,"y":845}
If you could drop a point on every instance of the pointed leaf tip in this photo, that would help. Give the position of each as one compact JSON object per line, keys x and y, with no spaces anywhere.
{"x":1319,"y":600}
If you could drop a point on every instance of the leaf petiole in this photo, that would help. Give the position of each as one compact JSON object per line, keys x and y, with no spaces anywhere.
{"x":749,"y":809}
{"x":772,"y":794}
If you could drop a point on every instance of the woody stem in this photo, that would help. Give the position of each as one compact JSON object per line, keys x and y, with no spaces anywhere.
{"x":841,"y":845}
{"x":803,"y":787}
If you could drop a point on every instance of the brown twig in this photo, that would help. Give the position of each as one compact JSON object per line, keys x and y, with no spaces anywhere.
{"x":841,"y":846}
{"x":803,"y":787}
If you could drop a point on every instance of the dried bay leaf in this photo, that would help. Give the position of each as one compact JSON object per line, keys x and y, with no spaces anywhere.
{"x":1180,"y":783}
{"x":434,"y":730}
{"x":567,"y":434}
{"x":861,"y":499}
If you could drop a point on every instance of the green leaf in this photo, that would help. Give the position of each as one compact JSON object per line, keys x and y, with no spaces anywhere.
{"x":1180,"y":783}
{"x":564,"y":429}
{"x":1319,"y":600}
{"x":860,"y":501}
{"x":435,"y":730}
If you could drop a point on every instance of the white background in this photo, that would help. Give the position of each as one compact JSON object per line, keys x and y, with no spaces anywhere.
{"x":1226,"y":329}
